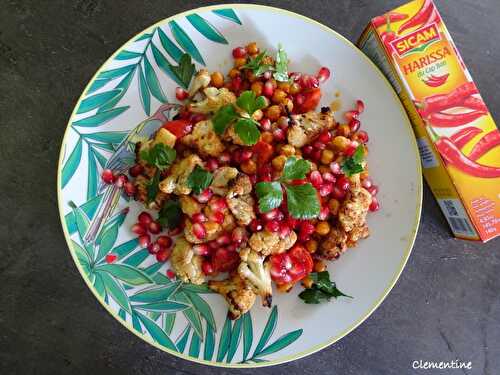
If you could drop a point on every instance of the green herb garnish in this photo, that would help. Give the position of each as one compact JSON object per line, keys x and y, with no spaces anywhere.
{"x":257,"y":66}
{"x":184,"y":71}
{"x":160,"y":156}
{"x":170,"y":214}
{"x":223,"y":117}
{"x":321,"y":290}
{"x":281,"y":73}
{"x":199,"y":179}
{"x":152,"y":187}
{"x":353,"y":164}
{"x":302,"y":200}
{"x":248,"y":102}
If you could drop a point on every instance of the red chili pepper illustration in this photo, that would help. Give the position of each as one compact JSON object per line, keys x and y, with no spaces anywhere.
{"x":393,"y":17}
{"x":420,"y":18}
{"x":474,"y":103}
{"x":462,"y":137}
{"x":450,"y":120}
{"x":436,"y":81}
{"x":434,"y":17}
{"x":453,"y":156}
{"x":485,"y":144}
{"x":455,"y":98}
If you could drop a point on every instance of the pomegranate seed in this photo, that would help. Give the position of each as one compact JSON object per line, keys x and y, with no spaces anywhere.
{"x":362,"y":136}
{"x":255,"y":225}
{"x":350,"y":150}
{"x":295,"y":76}
{"x":111,"y":258}
{"x":224,"y":239}
{"x":246,"y":155}
{"x":239,"y":52}
{"x":299,"y":99}
{"x":236,"y":83}
{"x":232,"y":247}
{"x":284,"y":230}
{"x":153,"y":248}
{"x":175,"y":231}
{"x":272,"y":226}
{"x":201,"y":249}
{"x":292,"y":222}
{"x":144,"y":240}
{"x":268,"y":89}
{"x":375,"y":205}
{"x":316,"y":155}
{"x":163,"y":255}
{"x":349,"y":115}
{"x":253,"y":179}
{"x":280,"y":216}
{"x":329,"y":177}
{"x":278,"y":134}
{"x":316,"y":179}
{"x":325,"y":137}
{"x":264,"y":169}
{"x":136,"y":170}
{"x":196,"y":118}
{"x":238,"y":235}
{"x":144,"y":218}
{"x":305,"y":231}
{"x":129,"y":188}
{"x":154,"y":227}
{"x":326,"y":189}
{"x":267,"y":75}
{"x":164,"y":241}
{"x":107,"y":176}
{"x":138,"y":229}
{"x":217,"y":204}
{"x":213,"y":245}
{"x":265,"y":124}
{"x":335,"y":167}
{"x":307,"y":150}
{"x":170,"y":274}
{"x":323,"y":74}
{"x":319,"y":145}
{"x":283,"y":122}
{"x":338,"y":194}
{"x":224,"y":158}
{"x":121,"y":180}
{"x":205,"y":196}
{"x":181,"y":94}
{"x":199,"y":231}
{"x":360,"y":106}
{"x":367,"y":183}
{"x":373,"y":190}
{"x":212,"y":164}
{"x":308,"y":82}
{"x":343,"y":183}
{"x":270,"y":215}
{"x":207,"y":268}
{"x":324,"y":213}
{"x":266,"y":178}
{"x":218,"y":217}
{"x":354,"y":125}
{"x":236,"y":157}
{"x":199,"y":218}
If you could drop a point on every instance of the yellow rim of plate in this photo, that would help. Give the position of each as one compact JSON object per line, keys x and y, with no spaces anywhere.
{"x":411,"y":235}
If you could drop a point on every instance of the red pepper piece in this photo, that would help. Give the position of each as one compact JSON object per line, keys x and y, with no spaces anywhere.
{"x":393,"y":17}
{"x":311,"y":100}
{"x":485,"y":144}
{"x":453,"y":156}
{"x":179,"y":128}
{"x":450,"y":120}
{"x":419,"y":18}
{"x":462,"y":137}
{"x":264,"y":152}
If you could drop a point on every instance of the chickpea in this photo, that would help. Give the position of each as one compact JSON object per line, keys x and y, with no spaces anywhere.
{"x":365,"y":150}
{"x":314,"y":166}
{"x":257,"y":115}
{"x":334,"y":205}
{"x":298,"y":153}
{"x":288,"y":150}
{"x":273,"y":112}
{"x":288,"y":104}
{"x":322,"y":228}
{"x":340,"y":143}
{"x":233,"y":73}
{"x":364,"y":175}
{"x":266,"y":137}
{"x":344,"y":130}
{"x":285,"y":86}
{"x":307,"y":282}
{"x":284,"y":288}
{"x":250,"y":76}
{"x":295,"y":88}
{"x":319,"y":266}
{"x":252,"y":48}
{"x":312,"y":246}
{"x":249,"y":167}
{"x":217,"y":79}
{"x":326,"y":156}
{"x":324,"y":169}
{"x":268,"y":60}
{"x":279,"y":162}
{"x":257,"y":88}
{"x":278,"y":96}
{"x":239,"y":62}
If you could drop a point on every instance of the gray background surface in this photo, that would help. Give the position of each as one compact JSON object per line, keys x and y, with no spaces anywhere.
{"x":445,"y":306}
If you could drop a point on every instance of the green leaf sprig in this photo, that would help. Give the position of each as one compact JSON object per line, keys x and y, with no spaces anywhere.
{"x":281,"y":66}
{"x":245,"y":127}
{"x":184,"y":71}
{"x":354,"y":164}
{"x":160,"y":156}
{"x":170,"y":214}
{"x":199,"y":179}
{"x":302,"y":200}
{"x":257,"y":65}
{"x":321,"y":290}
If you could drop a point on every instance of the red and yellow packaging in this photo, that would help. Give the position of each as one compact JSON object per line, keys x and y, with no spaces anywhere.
{"x":458,"y":140}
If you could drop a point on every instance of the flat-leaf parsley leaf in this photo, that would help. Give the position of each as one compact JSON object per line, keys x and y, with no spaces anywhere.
{"x":199,"y":179}
{"x":160,"y":156}
{"x":270,"y":195}
{"x":354,"y":164}
{"x":322,"y":289}
{"x":302,"y":201}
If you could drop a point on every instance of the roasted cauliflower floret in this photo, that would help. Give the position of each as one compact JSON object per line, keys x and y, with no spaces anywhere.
{"x":176,"y":182}
{"x":357,"y":234}
{"x":306,"y":127}
{"x":204,"y":139}
{"x":267,"y":243}
{"x":231,"y":136}
{"x":256,"y":272}
{"x":212,"y":230}
{"x":242,"y":208}
{"x":221,"y":178}
{"x":353,"y":212}
{"x":240,"y":186}
{"x":238,"y":294}
{"x":189,"y":205}
{"x":185,"y":263}
{"x":335,"y":244}
{"x":200,"y":81}
{"x":215,"y":99}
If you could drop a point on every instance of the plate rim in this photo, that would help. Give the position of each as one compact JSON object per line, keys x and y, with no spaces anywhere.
{"x":411,"y":237}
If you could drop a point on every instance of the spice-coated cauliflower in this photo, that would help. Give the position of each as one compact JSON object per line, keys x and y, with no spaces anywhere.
{"x":200,"y":81}
{"x":204,"y":139}
{"x":189,"y":205}
{"x":221,"y":178}
{"x":212,"y":230}
{"x":176,"y":182}
{"x":267,"y":243}
{"x":257,"y":273}
{"x":306,"y":127}
{"x":185,"y":263}
{"x":353,"y":212}
{"x":238,"y":294}
{"x":242,"y":208}
{"x":215,"y":99}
